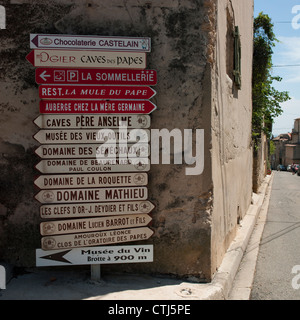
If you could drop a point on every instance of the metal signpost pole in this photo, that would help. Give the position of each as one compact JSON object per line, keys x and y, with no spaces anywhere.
{"x":96,"y":272}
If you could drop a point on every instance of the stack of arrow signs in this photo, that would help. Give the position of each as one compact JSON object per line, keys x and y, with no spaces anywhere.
{"x":94,"y":136}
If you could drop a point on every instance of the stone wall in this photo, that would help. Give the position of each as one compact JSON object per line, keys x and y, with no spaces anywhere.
{"x":195,"y":216}
{"x":231,"y":125}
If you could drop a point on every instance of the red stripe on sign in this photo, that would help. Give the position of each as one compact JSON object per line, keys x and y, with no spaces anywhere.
{"x":95,"y":76}
{"x":97,"y":106}
{"x":95,"y":92}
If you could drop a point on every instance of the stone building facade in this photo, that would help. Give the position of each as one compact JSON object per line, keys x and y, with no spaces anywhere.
{"x":202,"y":51}
{"x":287,"y":147}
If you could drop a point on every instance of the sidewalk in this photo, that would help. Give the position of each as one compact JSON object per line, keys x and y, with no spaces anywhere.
{"x":65,"y":284}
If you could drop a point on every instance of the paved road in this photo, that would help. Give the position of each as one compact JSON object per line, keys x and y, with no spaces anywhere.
{"x":279,"y":253}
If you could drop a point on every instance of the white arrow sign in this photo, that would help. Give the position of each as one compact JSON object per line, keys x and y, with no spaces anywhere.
{"x":92,"y":166}
{"x":93,"y":136}
{"x":94,"y":224}
{"x":87,"y":59}
{"x":92,"y":195}
{"x":44,"y":75}
{"x":79,"y":210}
{"x":89,"y":121}
{"x":91,"y":180}
{"x":102,"y":152}
{"x":95,"y":255}
{"x":62,"y":41}
{"x":79,"y":240}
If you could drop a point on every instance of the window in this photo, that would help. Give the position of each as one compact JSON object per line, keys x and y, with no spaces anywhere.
{"x":237,"y":58}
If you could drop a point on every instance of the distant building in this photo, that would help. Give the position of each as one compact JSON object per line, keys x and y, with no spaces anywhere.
{"x":287,"y":147}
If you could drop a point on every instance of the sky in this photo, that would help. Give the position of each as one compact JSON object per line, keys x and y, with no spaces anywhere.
{"x":285,"y":15}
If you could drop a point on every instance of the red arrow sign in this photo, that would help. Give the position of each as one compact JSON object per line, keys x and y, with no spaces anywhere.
{"x":95,"y":76}
{"x":30,"y":57}
{"x":94,"y":92}
{"x":97,"y":106}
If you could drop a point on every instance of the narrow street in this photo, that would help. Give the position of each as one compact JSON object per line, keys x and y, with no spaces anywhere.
{"x":279,"y":252}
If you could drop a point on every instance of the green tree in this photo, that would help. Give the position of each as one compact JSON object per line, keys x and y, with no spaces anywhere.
{"x":266,"y":99}
{"x":272,"y":147}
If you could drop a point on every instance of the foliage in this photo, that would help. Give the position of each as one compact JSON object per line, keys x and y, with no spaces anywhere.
{"x":266,"y":99}
{"x":272,"y":147}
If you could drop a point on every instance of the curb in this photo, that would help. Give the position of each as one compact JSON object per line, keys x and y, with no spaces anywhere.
{"x":222,"y":283}
{"x":226,"y":273}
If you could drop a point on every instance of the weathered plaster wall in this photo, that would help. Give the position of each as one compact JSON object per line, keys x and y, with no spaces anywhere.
{"x":181,"y":53}
{"x":260,"y":166}
{"x":19,"y":217}
{"x":231,"y":126}
{"x":195,"y":216}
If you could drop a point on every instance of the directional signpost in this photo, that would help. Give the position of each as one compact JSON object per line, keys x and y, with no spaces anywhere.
{"x":94,"y":224}
{"x":97,"y":106}
{"x":94,"y":148}
{"x":95,"y":92}
{"x":91,"y":180}
{"x":60,"y":41}
{"x":86,"y":59}
{"x":91,"y":209}
{"x":96,"y":76}
{"x":88,"y":121}
{"x":92,"y":195}
{"x":104,"y":153}
{"x":95,"y":255}
{"x":92,"y":136}
{"x":92,"y":166}
{"x":96,"y":238}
